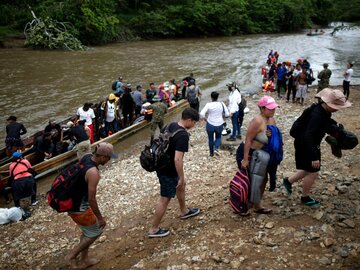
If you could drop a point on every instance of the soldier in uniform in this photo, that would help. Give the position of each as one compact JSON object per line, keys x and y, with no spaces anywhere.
{"x":159,"y":110}
{"x":324,"y":78}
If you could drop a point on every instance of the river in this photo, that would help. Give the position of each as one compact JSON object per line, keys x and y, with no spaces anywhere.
{"x":38,"y":85}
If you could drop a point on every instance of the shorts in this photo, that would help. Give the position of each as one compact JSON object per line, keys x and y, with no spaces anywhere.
{"x":302,"y":159}
{"x":168,"y":185}
{"x":302,"y":91}
{"x":13,"y":142}
{"x":23,"y":187}
{"x":87,"y":223}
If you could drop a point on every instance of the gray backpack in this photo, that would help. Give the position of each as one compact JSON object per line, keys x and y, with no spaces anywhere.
{"x":192,"y":96}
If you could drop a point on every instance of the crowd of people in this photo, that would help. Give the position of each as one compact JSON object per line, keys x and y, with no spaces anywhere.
{"x":259,"y":153}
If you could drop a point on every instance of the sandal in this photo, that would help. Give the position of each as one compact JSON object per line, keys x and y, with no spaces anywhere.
{"x":263,"y":211}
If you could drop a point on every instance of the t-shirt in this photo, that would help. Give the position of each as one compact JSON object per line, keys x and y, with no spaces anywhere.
{"x":55,"y":131}
{"x":21,"y":169}
{"x":79,"y":133}
{"x":137,"y":98}
{"x":349,"y":72}
{"x":14,"y":130}
{"x":180,"y":142}
{"x":110,"y":111}
{"x":86,"y":115}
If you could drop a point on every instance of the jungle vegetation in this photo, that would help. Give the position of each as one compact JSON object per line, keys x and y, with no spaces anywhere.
{"x":95,"y":22}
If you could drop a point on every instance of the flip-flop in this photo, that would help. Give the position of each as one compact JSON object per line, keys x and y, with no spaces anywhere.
{"x":263,"y":211}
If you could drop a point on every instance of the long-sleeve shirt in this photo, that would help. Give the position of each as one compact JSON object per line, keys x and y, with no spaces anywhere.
{"x":234,"y":101}
{"x":215,"y":111}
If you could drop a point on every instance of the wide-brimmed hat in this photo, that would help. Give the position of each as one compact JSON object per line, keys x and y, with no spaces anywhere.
{"x":334,"y":98}
{"x":268,"y":102}
{"x":112,"y":97}
{"x":156,"y":98}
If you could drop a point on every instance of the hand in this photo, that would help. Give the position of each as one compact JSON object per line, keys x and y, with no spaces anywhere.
{"x":244,"y":163}
{"x":181,"y":185}
{"x":268,"y":132}
{"x":101,"y":223}
{"x":315,"y":164}
{"x":231,"y":114}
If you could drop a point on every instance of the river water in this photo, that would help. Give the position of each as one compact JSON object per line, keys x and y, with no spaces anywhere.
{"x":39,"y":85}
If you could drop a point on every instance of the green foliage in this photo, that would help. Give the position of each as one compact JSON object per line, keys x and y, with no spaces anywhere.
{"x":103,"y":21}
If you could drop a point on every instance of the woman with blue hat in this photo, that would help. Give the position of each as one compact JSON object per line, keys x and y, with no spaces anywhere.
{"x":22,"y":180}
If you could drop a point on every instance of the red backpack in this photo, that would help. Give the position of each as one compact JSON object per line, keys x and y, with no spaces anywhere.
{"x":239,"y":191}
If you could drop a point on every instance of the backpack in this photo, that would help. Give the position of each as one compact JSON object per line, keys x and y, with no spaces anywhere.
{"x":192,"y":97}
{"x":114,"y":85}
{"x":66,"y":193}
{"x":156,"y":156}
{"x":300,"y":124}
{"x":239,"y":191}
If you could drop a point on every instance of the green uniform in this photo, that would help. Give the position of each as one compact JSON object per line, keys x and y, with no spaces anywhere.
{"x":324,"y":77}
{"x":159,"y":111}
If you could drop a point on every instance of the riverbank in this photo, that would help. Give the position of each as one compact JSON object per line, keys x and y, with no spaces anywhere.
{"x":292,"y":237}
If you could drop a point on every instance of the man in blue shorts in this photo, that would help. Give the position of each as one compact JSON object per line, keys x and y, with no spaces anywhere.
{"x":171,"y":178}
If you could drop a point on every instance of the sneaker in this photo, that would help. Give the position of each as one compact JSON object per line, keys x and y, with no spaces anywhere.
{"x":238,"y":137}
{"x":217,"y":152}
{"x":159,"y":233}
{"x":192,"y":212}
{"x":231,"y":139}
{"x":287,"y":185}
{"x":34,"y":203}
{"x":309,"y":201}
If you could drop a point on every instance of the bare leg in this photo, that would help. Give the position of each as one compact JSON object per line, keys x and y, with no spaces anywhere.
{"x":300,"y":174}
{"x":180,"y":194}
{"x":160,"y":210}
{"x":83,"y":247}
{"x":308,"y":183}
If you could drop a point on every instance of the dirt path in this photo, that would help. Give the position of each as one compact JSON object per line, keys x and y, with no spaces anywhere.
{"x":292,"y":237}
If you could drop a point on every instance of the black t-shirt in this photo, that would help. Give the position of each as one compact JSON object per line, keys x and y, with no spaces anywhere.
{"x":55,"y":131}
{"x":14,"y":130}
{"x":79,"y":133}
{"x":180,"y":142}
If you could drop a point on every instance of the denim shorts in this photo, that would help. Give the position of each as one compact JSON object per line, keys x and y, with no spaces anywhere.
{"x":168,"y":185}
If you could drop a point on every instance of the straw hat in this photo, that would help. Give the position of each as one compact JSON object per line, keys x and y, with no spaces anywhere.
{"x":335,"y":99}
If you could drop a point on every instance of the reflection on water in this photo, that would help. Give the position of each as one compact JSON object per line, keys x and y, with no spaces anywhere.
{"x":38,"y":85}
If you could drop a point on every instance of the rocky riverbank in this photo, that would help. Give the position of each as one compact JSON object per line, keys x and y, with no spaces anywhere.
{"x":292,"y":237}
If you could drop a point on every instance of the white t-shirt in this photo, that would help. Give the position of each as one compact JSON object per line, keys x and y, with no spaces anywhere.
{"x":348,"y":73}
{"x":88,"y":115}
{"x":110,"y":115}
{"x":234,"y":101}
{"x":215,"y":111}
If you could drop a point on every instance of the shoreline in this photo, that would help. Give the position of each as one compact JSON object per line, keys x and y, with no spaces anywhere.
{"x":294,"y":236}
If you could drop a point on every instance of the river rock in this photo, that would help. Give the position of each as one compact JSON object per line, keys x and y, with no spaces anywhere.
{"x":325,"y":261}
{"x":349,"y":223}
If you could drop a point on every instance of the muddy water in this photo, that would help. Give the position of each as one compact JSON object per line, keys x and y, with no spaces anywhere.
{"x":39,"y":85}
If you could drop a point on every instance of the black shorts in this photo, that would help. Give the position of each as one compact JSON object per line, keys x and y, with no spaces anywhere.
{"x":168,"y":185}
{"x":302,"y":159}
{"x":23,"y":187}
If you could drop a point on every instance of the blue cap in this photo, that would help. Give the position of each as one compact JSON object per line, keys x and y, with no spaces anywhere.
{"x":17,"y":155}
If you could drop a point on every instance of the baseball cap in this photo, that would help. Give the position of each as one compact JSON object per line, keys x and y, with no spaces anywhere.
{"x":16,"y":155}
{"x":268,"y":102}
{"x":106,"y":149}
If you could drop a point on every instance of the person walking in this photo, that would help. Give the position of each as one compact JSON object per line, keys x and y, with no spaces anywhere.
{"x":307,"y":142}
{"x":172,"y":178}
{"x":324,"y":78}
{"x":159,"y":110}
{"x":88,"y":216}
{"x":257,"y":137}
{"x":214,"y":113}
{"x":347,"y":78}
{"x":234,"y":101}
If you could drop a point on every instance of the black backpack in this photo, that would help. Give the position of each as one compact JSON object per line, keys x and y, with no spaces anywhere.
{"x":192,"y":96}
{"x":300,"y":124}
{"x":68,"y":189}
{"x":114,"y":84}
{"x":156,"y":156}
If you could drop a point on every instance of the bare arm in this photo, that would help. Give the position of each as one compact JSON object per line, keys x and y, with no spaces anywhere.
{"x":253,"y":130}
{"x":92,"y":177}
{"x":179,"y":165}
